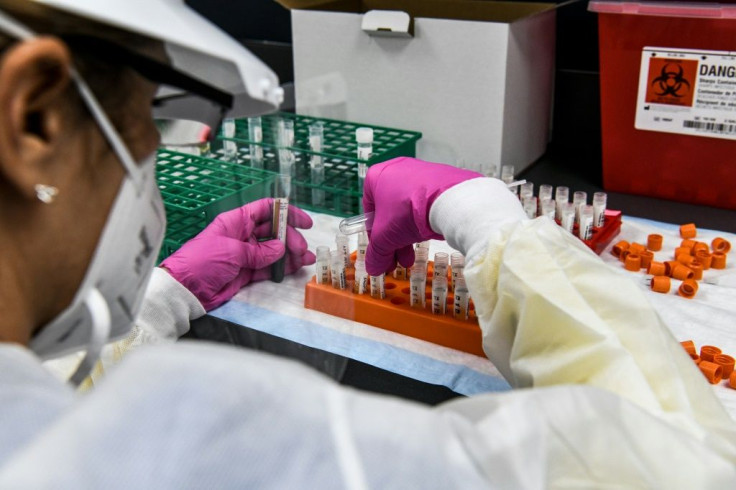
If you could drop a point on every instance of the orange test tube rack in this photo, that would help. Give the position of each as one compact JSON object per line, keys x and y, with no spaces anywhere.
{"x":395,"y":313}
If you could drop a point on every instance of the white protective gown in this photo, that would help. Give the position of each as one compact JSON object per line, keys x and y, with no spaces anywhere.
{"x":606,"y":397}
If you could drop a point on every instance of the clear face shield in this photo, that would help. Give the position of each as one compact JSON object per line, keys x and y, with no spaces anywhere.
{"x":106,"y":304}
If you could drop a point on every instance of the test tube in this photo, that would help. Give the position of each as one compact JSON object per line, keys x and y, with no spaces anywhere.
{"x":230,"y":147}
{"x":401,"y":272}
{"x":545,"y":192}
{"x":417,"y":285}
{"x":337,"y":269}
{"x":364,"y":138}
{"x":441,"y":261}
{"x":362,"y":246}
{"x":579,"y":198}
{"x":490,"y":170}
{"x":526,"y":190}
{"x":361,"y":279}
{"x":507,"y":176}
{"x":323,"y":265}
{"x":255,"y":135}
{"x":439,"y":295}
{"x":421,"y":256}
{"x":316,"y":164}
{"x":548,"y":208}
{"x":424,"y":244}
{"x":343,"y":247}
{"x":356,"y":224}
{"x":284,"y":140}
{"x":362,"y":172}
{"x":457,"y":265}
{"x":462,"y":300}
{"x":278,"y":228}
{"x":585,"y":231}
{"x":562,"y":195}
{"x":599,"y":209}
{"x":567,"y":220}
{"x":529,"y":204}
{"x":378,"y":286}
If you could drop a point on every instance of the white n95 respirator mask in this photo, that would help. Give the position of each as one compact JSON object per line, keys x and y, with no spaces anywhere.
{"x":109,"y":298}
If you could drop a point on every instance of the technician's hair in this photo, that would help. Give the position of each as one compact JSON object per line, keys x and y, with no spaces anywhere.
{"x":110,"y":80}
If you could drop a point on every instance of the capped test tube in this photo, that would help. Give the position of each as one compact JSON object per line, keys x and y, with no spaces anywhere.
{"x":400,"y":272}
{"x":457,"y":265}
{"x":323,"y":265}
{"x":579,"y":198}
{"x":255,"y":135}
{"x":230,"y":147}
{"x":343,"y":247}
{"x":421,"y":256}
{"x":378,"y":286}
{"x":585,"y":232}
{"x":507,"y":176}
{"x":337,"y":269}
{"x":529,"y":204}
{"x":417,"y":285}
{"x":439,"y":295}
{"x":548,"y":208}
{"x":462,"y":300}
{"x":316,"y":164}
{"x":562,"y":195}
{"x":545,"y":192}
{"x":526,"y":190}
{"x":568,"y":216}
{"x":362,"y":246}
{"x":364,"y":139}
{"x":599,"y":209}
{"x":441,"y":261}
{"x":361,"y":279}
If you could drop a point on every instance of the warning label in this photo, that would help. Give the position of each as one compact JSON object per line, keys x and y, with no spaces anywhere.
{"x":687,"y":91}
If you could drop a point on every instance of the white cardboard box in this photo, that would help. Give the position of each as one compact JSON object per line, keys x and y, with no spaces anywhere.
{"x":475,"y":77}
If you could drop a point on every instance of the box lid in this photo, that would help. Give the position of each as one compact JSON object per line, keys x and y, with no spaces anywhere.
{"x":476,"y":10}
{"x":720,"y":10}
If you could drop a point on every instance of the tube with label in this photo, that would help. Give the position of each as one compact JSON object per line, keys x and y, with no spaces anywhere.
{"x":278,"y":227}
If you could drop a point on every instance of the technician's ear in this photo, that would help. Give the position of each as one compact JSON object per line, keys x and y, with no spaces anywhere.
{"x":34,"y":76}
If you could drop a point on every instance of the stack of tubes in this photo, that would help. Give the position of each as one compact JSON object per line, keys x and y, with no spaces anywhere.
{"x":445,"y":274}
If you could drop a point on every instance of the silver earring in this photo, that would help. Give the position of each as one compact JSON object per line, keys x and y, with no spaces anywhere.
{"x":46,"y":193}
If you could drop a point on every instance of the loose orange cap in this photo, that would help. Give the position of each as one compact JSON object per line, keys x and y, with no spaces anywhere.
{"x":682,"y":272}
{"x":636,"y":248}
{"x":700,"y":246}
{"x":654,"y":242}
{"x":688,"y":230}
{"x":660,"y":284}
{"x":688,"y":288}
{"x":689,"y":346}
{"x":646,"y":259}
{"x":726,"y":362}
{"x":697,"y":269}
{"x":712,"y":371}
{"x":656,"y":269}
{"x":709,"y":352}
{"x":685,"y":259}
{"x":719,"y":260}
{"x":704,"y":258}
{"x":669,"y":265}
{"x":682,"y":251}
{"x":721,"y":245}
{"x":632,"y":262}
{"x":688,"y":243}
{"x":732,"y":380}
{"x":619,"y":248}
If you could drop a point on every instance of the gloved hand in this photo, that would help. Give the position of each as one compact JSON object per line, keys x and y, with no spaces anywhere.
{"x":227,"y":255}
{"x":400,"y":192}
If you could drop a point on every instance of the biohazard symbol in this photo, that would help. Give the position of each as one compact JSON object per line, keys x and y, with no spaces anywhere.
{"x":671,"y":81}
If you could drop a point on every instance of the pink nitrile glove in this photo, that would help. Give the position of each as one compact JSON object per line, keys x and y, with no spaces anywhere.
{"x":227,"y":255}
{"x":400,"y":193}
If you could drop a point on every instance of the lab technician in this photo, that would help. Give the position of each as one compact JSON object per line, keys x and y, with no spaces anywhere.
{"x":606,"y":397}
